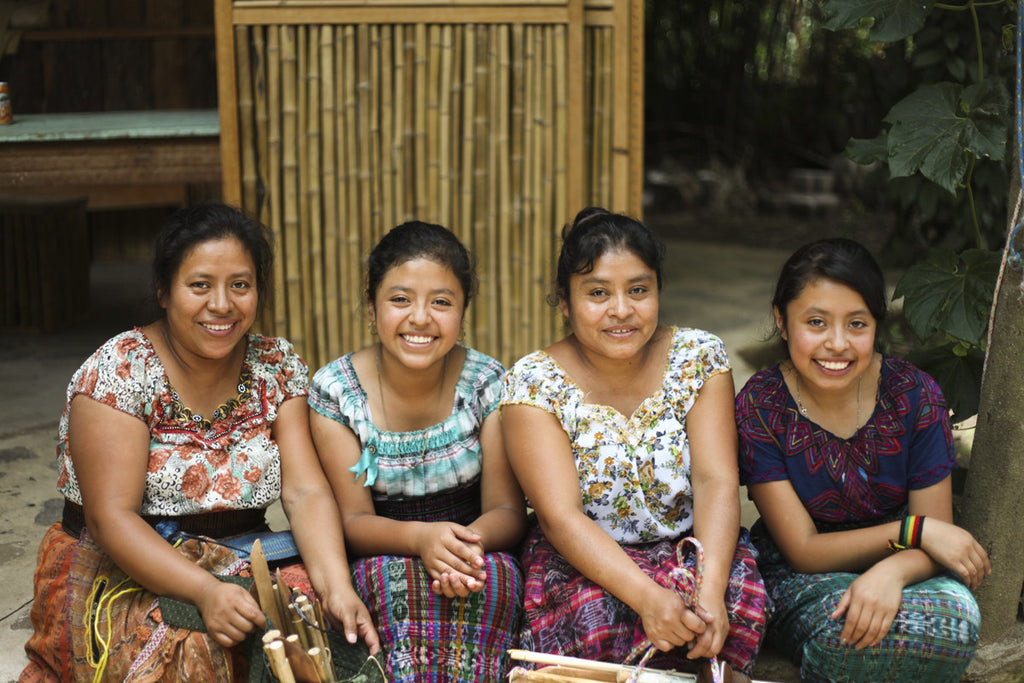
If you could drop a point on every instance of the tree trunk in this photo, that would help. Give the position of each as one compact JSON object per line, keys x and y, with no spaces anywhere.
{"x":992,"y":505}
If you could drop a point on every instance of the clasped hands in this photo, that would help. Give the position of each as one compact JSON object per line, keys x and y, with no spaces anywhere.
{"x":669,"y":623}
{"x":454,"y":557}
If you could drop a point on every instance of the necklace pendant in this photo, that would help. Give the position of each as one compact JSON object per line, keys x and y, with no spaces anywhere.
{"x":803,"y":410}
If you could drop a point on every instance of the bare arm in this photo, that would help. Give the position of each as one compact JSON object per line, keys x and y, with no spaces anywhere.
{"x":366,"y":533}
{"x":542,"y":459}
{"x":711,"y":430}
{"x":502,"y":521}
{"x":110,"y":452}
{"x":316,"y":524}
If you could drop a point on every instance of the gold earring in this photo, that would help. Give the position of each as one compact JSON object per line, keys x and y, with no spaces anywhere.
{"x":372,"y":327}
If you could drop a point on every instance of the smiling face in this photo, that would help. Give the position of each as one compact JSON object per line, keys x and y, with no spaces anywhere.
{"x":418,"y":311}
{"x":613,"y":309}
{"x":211,"y":300}
{"x":830,"y":333}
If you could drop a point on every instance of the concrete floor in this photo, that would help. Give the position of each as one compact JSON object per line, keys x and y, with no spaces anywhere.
{"x":724,"y":289}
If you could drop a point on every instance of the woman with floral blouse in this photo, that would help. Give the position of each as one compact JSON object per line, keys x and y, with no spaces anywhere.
{"x":622,"y":436}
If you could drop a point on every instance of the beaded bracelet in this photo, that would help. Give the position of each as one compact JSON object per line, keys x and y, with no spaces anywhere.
{"x":910,"y":534}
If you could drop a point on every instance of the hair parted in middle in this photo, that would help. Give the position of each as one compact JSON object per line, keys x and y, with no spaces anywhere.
{"x":593,"y":233}
{"x":417,"y":239}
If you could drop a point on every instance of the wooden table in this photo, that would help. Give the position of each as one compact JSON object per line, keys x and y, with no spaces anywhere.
{"x":114,"y":159}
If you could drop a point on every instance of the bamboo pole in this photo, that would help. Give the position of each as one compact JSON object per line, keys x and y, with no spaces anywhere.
{"x":469,"y":86}
{"x":401,"y":140}
{"x":367,"y":233}
{"x":328,"y":121}
{"x":454,"y":155}
{"x":290,"y":190}
{"x":444,"y":132}
{"x":421,"y":86}
{"x":606,"y":116}
{"x":349,"y":298}
{"x":517,"y":154}
{"x":431,"y":132}
{"x":310,"y":306}
{"x":256,"y":40}
{"x":387,"y":127}
{"x":482,"y":188}
{"x":246,"y":106}
{"x":502,"y":348}
{"x":274,"y":175}
{"x":315,"y":194}
{"x":544,"y":174}
{"x":592,"y":54}
{"x":373,"y":150}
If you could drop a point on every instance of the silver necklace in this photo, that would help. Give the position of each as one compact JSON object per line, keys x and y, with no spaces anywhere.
{"x":803,"y":408}
{"x":383,"y":403}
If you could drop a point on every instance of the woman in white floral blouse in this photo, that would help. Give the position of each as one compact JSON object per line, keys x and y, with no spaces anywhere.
{"x":174,"y":433}
{"x":623,"y":437}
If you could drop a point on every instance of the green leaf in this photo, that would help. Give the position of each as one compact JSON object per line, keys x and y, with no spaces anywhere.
{"x":864,"y":151}
{"x":958,"y":376}
{"x":950,"y":293}
{"x":937,"y":128}
{"x":988,"y":107}
{"x":894,"y":19}
{"x":926,"y":136}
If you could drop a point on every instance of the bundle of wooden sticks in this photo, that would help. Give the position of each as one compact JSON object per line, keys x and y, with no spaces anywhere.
{"x":297,"y":649}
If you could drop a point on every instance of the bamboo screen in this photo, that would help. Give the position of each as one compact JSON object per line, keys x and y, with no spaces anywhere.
{"x":340,"y":120}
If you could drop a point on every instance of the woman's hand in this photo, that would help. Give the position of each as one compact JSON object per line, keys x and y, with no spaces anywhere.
{"x":710,"y":642}
{"x":667,"y":622}
{"x":957,"y":550}
{"x":347,"y":613}
{"x":229,"y":613}
{"x":453,"y":556}
{"x":869,"y":605}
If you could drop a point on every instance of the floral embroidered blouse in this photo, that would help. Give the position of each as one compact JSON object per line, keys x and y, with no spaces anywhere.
{"x":634,"y":470}
{"x":227,"y":462}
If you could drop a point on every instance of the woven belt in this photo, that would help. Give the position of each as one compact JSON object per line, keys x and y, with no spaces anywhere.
{"x":213,"y":524}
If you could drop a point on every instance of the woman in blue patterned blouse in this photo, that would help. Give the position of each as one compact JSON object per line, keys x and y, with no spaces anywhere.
{"x":847,"y":454}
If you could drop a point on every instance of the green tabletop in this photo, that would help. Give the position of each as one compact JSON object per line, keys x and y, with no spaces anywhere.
{"x":111,"y":125}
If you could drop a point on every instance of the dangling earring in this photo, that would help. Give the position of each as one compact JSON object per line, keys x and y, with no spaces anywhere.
{"x":372,"y":327}
{"x":462,"y":337}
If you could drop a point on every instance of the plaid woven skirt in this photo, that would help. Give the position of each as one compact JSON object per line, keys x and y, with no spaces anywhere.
{"x":567,"y":614}
{"x":932,"y":639}
{"x":428,"y":638}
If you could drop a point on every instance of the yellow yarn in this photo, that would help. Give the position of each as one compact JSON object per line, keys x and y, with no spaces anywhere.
{"x":103,"y":601}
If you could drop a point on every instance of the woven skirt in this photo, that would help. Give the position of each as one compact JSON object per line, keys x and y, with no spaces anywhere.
{"x":90,"y":619}
{"x":570,"y":615}
{"x":932,"y":638}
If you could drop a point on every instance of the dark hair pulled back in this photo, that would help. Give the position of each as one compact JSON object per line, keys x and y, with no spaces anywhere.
{"x":838,"y":259}
{"x":596,"y":231}
{"x":189,"y":227}
{"x":417,"y":239}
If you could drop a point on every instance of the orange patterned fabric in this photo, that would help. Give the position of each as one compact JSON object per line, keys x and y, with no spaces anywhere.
{"x":73,"y":576}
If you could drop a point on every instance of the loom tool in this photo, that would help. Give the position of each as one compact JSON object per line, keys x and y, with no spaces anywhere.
{"x":264,"y":585}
